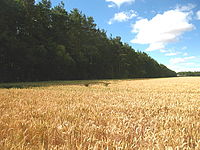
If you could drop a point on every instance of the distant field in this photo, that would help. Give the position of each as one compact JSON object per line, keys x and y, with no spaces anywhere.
{"x":108,"y":114}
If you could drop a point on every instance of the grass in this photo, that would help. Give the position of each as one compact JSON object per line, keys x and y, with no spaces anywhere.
{"x":125,"y":114}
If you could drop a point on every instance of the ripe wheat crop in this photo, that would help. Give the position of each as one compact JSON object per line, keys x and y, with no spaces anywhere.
{"x":125,"y":114}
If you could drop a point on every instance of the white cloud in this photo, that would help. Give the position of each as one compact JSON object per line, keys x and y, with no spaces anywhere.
{"x":119,"y":2}
{"x":185,"y":54}
{"x":190,"y":63}
{"x":163,"y":28}
{"x":111,"y":5}
{"x":172,"y":54}
{"x":185,"y":8}
{"x":180,"y":60}
{"x":183,"y":68}
{"x":198,"y":15}
{"x":154,"y":46}
{"x":164,"y":51}
{"x":123,"y":16}
{"x":184,"y":48}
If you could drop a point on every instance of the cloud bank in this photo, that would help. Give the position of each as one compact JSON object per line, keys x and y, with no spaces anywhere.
{"x":180,"y":60}
{"x":190,"y":63}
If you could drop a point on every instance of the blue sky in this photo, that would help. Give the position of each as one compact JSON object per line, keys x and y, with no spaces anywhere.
{"x":168,"y":30}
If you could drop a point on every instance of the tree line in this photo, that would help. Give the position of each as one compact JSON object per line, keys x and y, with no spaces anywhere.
{"x":40,"y":42}
{"x":189,"y":73}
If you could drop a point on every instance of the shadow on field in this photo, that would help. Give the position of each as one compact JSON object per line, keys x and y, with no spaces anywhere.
{"x":23,"y":85}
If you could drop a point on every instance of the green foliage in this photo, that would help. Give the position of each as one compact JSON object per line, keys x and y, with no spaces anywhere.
{"x":189,"y":73}
{"x":38,"y":42}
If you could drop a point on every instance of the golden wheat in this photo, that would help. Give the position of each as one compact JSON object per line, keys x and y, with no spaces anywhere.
{"x":126,"y":114}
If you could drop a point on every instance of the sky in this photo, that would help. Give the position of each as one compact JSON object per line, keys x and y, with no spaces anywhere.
{"x":167,"y":30}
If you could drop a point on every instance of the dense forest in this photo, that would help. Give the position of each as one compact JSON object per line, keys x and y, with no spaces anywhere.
{"x":189,"y":73}
{"x":38,"y":42}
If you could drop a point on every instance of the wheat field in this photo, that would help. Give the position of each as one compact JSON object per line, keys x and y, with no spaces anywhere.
{"x":121,"y":115}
